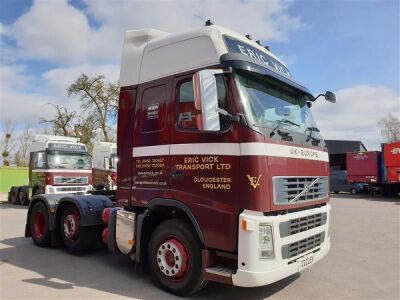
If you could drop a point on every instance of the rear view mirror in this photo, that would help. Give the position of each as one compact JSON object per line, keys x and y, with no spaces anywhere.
{"x":206,"y":100}
{"x":331,"y":97}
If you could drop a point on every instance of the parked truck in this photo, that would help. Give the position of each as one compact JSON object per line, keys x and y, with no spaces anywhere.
{"x":104,"y":172}
{"x":380,"y":169}
{"x":222,"y":172}
{"x":57,"y":165}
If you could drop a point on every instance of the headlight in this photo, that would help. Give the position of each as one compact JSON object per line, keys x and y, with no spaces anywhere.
{"x":265,"y":241}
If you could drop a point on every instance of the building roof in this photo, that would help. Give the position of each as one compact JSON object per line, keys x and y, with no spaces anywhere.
{"x":344,"y":146}
{"x":149,"y":54}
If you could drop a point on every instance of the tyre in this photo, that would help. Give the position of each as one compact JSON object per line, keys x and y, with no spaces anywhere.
{"x":24,"y":195}
{"x":39,"y":225}
{"x":14,"y":195}
{"x":353,"y":191}
{"x":336,"y":192}
{"x":76,"y":239}
{"x":175,"y":260}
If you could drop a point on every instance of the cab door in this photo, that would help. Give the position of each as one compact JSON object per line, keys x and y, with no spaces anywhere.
{"x":151,"y":139}
{"x":205,"y":165}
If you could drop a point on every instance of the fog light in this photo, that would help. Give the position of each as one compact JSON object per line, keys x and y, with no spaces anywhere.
{"x":265,"y":241}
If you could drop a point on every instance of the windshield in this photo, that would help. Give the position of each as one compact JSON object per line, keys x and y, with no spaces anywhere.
{"x":113,"y":161}
{"x":275,"y":105}
{"x":69,"y":160}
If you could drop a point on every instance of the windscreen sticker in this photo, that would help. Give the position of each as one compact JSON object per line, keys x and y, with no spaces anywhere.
{"x":236,"y":46}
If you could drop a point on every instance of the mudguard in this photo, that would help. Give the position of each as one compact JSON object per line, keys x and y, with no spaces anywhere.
{"x":90,"y":208}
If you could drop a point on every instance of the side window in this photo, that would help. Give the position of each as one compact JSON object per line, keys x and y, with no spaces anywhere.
{"x":187,"y":113}
{"x":38,"y":160}
{"x":186,"y":110}
{"x":154,"y":108}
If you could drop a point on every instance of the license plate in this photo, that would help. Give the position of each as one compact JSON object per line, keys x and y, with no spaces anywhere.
{"x":304,"y":262}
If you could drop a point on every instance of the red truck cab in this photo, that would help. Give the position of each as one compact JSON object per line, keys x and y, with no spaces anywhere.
{"x":222,"y":171}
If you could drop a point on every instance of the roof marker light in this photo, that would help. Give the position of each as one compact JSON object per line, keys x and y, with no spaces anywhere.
{"x":258,"y":42}
{"x":248,"y":36}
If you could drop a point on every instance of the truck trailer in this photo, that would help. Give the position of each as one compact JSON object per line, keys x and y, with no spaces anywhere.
{"x":222,"y":172}
{"x":104,"y":172}
{"x":57,"y":164}
{"x":380,"y":169}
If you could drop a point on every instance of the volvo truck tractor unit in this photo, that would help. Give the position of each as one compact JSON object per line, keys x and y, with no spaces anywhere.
{"x":222,"y":170}
{"x":57,"y":165}
{"x":104,"y":166}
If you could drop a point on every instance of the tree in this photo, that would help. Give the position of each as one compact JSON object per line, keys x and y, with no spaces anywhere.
{"x":7,"y":143}
{"x":98,"y":98}
{"x":390,"y":127}
{"x":86,"y":131}
{"x":25,"y":138}
{"x":62,"y":122}
{"x":66,"y":123}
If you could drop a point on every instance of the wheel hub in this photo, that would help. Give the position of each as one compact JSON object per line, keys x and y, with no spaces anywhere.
{"x":172,"y":258}
{"x":71,"y":226}
{"x":38,"y":225}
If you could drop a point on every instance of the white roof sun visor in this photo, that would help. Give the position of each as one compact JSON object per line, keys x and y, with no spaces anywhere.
{"x":246,"y":57}
{"x":235,"y":46}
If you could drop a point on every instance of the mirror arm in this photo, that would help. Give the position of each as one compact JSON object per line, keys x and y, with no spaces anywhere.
{"x":315,"y":98}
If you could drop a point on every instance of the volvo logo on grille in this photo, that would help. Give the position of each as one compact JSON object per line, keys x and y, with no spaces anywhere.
{"x":305,"y":191}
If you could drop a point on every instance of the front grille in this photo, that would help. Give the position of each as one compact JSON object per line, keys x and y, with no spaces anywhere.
{"x":299,"y":247}
{"x":70,"y":189}
{"x":305,"y":223}
{"x":299,"y":189}
{"x":70,"y":180}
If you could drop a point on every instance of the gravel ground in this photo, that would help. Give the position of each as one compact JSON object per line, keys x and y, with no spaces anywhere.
{"x":363,"y":263}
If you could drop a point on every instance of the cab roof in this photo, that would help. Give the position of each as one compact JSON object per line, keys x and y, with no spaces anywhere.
{"x":149,"y":54}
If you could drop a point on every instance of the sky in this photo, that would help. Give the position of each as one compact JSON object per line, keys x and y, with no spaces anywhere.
{"x":349,"y":47}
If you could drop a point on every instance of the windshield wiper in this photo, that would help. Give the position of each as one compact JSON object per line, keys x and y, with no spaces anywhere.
{"x":279,"y":124}
{"x":59,"y":166}
{"x":310,"y":137}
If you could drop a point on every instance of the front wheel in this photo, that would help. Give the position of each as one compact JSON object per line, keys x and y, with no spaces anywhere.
{"x":353,"y":191}
{"x":175,"y":259}
{"x":76,"y":239}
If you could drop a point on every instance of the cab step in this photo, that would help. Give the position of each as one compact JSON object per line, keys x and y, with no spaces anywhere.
{"x":219,"y":274}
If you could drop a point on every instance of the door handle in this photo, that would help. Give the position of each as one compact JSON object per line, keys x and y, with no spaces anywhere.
{"x":178,"y":175}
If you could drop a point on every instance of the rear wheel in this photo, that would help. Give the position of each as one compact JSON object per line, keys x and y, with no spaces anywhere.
{"x":14,"y":195}
{"x":39,"y":225}
{"x":175,"y":258}
{"x":24,"y":195}
{"x":77,"y":239}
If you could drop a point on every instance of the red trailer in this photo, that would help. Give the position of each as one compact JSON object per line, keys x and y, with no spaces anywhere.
{"x":363,"y":167}
{"x":380,"y":169}
{"x":391,"y":162}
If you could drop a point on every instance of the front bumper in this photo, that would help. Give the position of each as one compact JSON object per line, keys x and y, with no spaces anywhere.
{"x":253,"y":271}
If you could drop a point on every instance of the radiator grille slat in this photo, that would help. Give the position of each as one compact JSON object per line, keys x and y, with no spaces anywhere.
{"x":304,"y":245}
{"x":289,"y":190}
{"x":302,"y":224}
